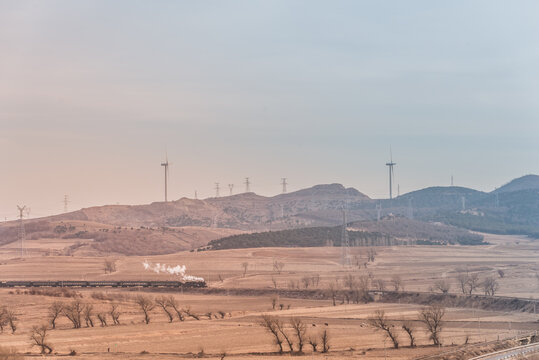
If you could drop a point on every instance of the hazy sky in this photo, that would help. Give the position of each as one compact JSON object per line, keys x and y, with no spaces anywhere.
{"x":91,"y":93}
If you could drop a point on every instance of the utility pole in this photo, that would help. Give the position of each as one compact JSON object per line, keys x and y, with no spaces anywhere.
{"x":216,"y":189}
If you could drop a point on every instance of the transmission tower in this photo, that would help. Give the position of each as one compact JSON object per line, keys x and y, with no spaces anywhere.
{"x":22,"y":232}
{"x":231,"y":188}
{"x":217,"y":189}
{"x":345,"y":243}
{"x":247,"y":185}
{"x":66,"y":202}
{"x":284,"y":183}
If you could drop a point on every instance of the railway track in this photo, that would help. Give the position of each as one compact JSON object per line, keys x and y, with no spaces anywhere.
{"x":97,"y":284}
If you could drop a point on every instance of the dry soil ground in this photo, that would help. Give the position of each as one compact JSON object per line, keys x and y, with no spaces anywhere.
{"x":239,"y":333}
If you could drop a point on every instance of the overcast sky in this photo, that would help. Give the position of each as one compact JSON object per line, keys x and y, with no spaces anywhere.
{"x":93,"y":92}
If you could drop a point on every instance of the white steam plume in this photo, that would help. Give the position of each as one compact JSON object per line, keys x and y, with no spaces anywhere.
{"x":178,"y":270}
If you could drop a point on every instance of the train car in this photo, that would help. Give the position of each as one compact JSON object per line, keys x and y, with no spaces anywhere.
{"x":94,"y":284}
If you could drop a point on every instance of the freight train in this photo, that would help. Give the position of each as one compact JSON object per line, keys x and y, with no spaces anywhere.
{"x":111,"y":283}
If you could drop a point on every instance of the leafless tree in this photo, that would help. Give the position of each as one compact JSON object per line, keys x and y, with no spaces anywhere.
{"x":3,"y":318}
{"x":11,"y":318}
{"x":273,"y":302}
{"x":173,"y":303}
{"x":380,"y":285}
{"x":501,"y":273}
{"x":244,"y":266}
{"x":270,"y":324}
{"x":191,"y":314}
{"x":114,"y":314}
{"x":371,"y":254}
{"x":379,"y":321}
{"x":278,"y":266}
{"x":473,"y":282}
{"x":463,"y":280}
{"x":306,"y":281}
{"x":313,"y":341}
{"x":300,"y":329}
{"x":396,"y":282}
{"x":490,"y":286}
{"x":315,"y":280}
{"x":73,"y":311}
{"x":324,"y":338}
{"x":88,"y":311}
{"x":55,"y":310}
{"x":432,"y":317}
{"x":163,"y":303}
{"x":443,"y":285}
{"x":110,"y":266}
{"x":333,"y":290}
{"x":408,"y":328}
{"x":102,"y":317}
{"x":282,"y":330}
{"x":146,"y":305}
{"x":39,"y":338}
{"x":274,"y":282}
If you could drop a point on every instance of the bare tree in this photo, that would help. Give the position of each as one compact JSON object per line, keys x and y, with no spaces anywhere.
{"x":244,"y":266}
{"x":88,"y":312}
{"x":490,"y":286}
{"x":473,"y":282}
{"x":163,"y":303}
{"x":274,"y":282}
{"x":146,"y":305}
{"x":188,"y":312}
{"x":313,"y":341}
{"x":380,"y":322}
{"x":324,"y":338}
{"x":501,"y":273}
{"x":274,"y":302}
{"x":39,"y":338}
{"x":306,"y":281}
{"x":278,"y":266}
{"x":380,"y":285}
{"x":333,"y":290}
{"x":102,"y":317}
{"x":300,"y":329}
{"x":55,"y":310}
{"x":110,"y":266}
{"x":408,"y":328}
{"x":443,"y":285}
{"x":114,"y":314}
{"x":315,"y":280}
{"x":281,"y":327}
{"x":73,"y":311}
{"x":3,"y":318}
{"x":11,"y":319}
{"x":432,"y":317}
{"x":270,"y":324}
{"x":396,"y":282}
{"x":173,"y":303}
{"x":463,"y":280}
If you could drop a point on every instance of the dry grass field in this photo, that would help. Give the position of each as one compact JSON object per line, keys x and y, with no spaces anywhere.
{"x":239,"y":333}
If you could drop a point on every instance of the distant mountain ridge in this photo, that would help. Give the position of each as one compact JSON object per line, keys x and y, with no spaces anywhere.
{"x":527,"y":182}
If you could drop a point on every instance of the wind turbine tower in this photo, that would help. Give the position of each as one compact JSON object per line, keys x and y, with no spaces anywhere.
{"x":390,"y":164}
{"x":165,"y":165}
{"x":22,"y":232}
{"x":66,"y":202}
{"x":247,"y":185}
{"x":284,"y":183}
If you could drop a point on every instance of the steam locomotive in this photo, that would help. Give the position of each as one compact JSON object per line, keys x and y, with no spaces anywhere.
{"x":112,"y":283}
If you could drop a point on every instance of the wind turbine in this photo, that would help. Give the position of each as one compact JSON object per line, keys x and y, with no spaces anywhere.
{"x":165,"y":165}
{"x":390,"y":164}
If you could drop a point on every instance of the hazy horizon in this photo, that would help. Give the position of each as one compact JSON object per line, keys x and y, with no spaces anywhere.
{"x":94,"y":93}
